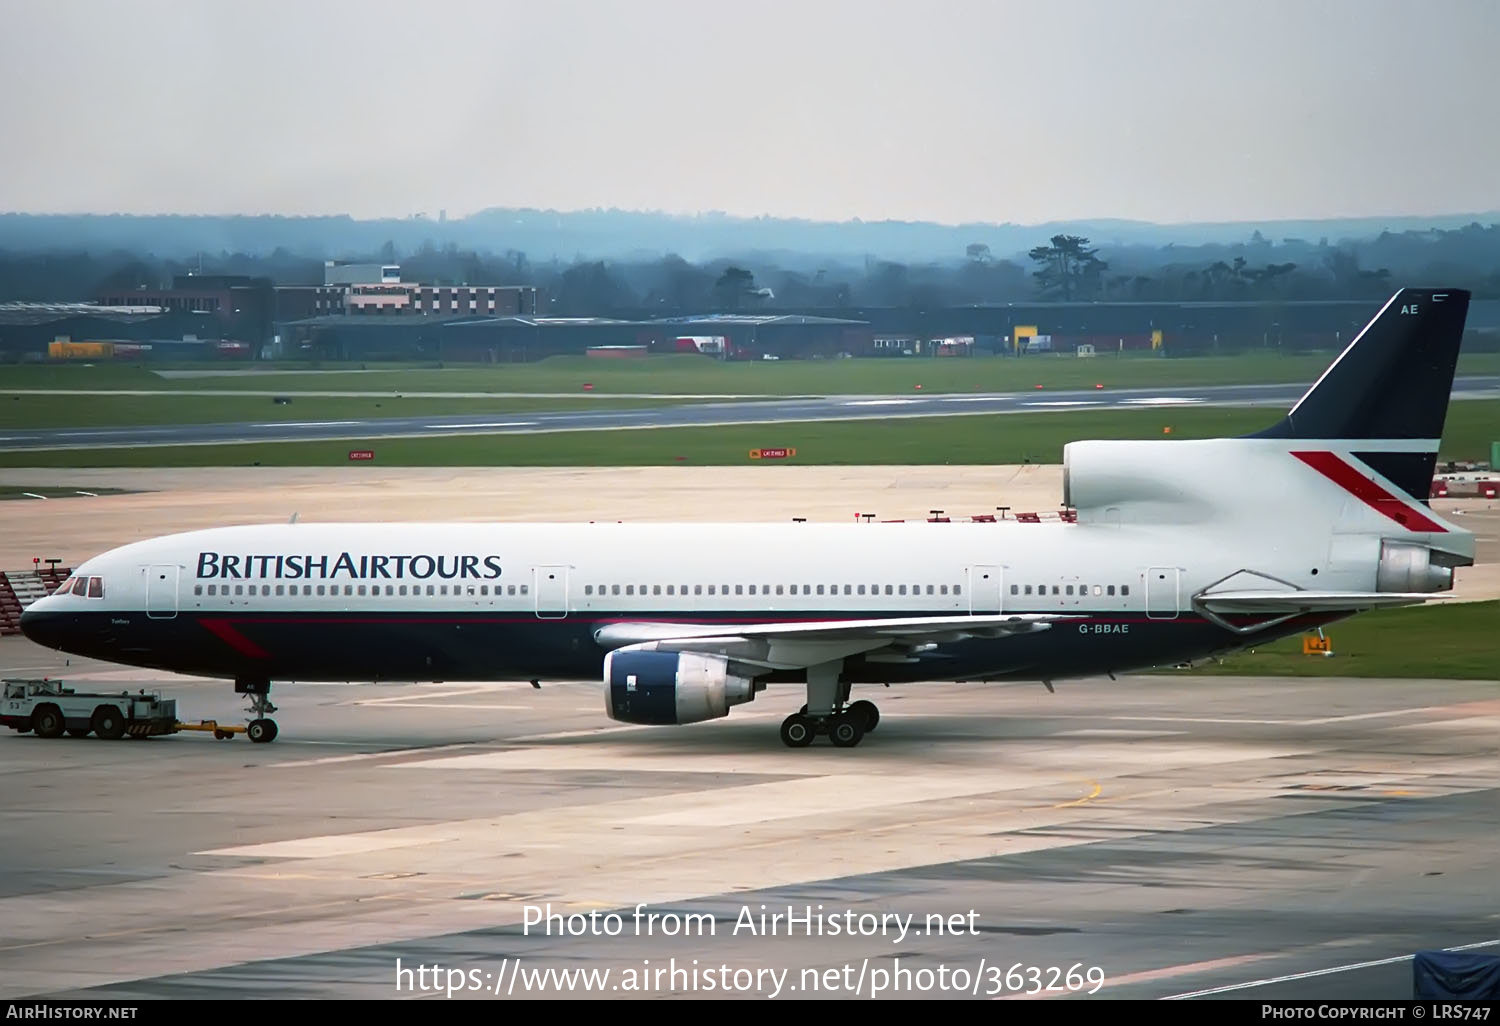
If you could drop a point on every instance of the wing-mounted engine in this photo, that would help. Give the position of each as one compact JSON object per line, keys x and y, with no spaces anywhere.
{"x":664,"y":688}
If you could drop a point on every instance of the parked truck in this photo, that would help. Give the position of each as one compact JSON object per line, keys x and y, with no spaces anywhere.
{"x":50,"y":709}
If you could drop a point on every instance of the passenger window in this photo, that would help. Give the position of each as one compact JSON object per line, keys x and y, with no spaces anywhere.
{"x":887,"y":589}
{"x":698,"y":589}
{"x":1028,"y":589}
{"x":444,"y":590}
{"x":265,"y":589}
{"x":484,"y":589}
{"x":655,"y":589}
{"x":820,"y":589}
{"x":614,"y":589}
{"x":630,"y":589}
{"x":1096,"y":589}
{"x":903,"y":590}
{"x":1124,"y":589}
{"x":320,"y":589}
{"x":1111,"y":589}
{"x":349,"y":589}
{"x":848,"y":589}
{"x":929,"y":590}
{"x":401,"y":590}
{"x":279,"y":589}
{"x":1070,"y":589}
{"x":861,"y":589}
{"x":942,"y":589}
{"x":197,"y":589}
{"x":213,"y":589}
{"x":958,"y":589}
{"x":752,"y":589}
{"x":429,"y":589}
{"x":523,"y":589}
{"x":1054,"y":589}
{"x":1015,"y":589}
{"x":471,"y":591}
{"x":669,"y":589}
{"x":361,"y":589}
{"x":739,"y":589}
{"x":778,"y":589}
{"x":588,"y":589}
{"x":239,"y":589}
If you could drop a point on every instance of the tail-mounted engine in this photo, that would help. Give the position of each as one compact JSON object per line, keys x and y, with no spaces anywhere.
{"x":662,"y":688}
{"x":1416,"y":568}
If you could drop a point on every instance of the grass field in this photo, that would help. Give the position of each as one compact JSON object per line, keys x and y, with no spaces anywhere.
{"x":697,"y":375}
{"x":966,"y":440}
{"x":43,"y":411}
{"x":1448,"y":640}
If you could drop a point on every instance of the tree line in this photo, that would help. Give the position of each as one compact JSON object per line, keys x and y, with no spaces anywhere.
{"x":1063,"y":268}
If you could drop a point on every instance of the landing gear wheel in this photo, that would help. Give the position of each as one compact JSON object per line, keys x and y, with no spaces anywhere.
{"x":845,"y":731}
{"x":867,"y":713}
{"x":78,"y":732}
{"x":109,"y":723}
{"x":47,"y":721}
{"x":261,"y":731}
{"x":222,"y":735}
{"x":797,"y":731}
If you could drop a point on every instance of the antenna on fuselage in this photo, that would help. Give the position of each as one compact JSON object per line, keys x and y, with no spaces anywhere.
{"x":293,"y":520}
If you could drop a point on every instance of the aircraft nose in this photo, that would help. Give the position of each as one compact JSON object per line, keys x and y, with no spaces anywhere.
{"x":40,"y":625}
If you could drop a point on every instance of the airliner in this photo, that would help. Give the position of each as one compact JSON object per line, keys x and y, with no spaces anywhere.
{"x":1174,"y":551}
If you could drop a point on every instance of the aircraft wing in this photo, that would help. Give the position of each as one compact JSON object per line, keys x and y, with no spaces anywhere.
{"x":1307,"y":601}
{"x":792,"y":645}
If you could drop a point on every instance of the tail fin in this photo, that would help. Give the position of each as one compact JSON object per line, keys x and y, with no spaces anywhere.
{"x":1390,"y":387}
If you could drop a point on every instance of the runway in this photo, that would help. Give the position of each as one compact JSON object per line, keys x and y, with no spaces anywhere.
{"x":708,"y":414}
{"x":1259,"y":838}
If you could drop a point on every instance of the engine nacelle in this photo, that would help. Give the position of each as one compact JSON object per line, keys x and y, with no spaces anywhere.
{"x":1408,"y":567}
{"x":663,"y":688}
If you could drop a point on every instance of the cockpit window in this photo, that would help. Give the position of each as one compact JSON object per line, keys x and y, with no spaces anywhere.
{"x":96,"y":587}
{"x":80,"y":586}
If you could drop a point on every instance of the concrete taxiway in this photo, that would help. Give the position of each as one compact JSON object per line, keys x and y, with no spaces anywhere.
{"x":710,"y":414}
{"x":1256,"y":838}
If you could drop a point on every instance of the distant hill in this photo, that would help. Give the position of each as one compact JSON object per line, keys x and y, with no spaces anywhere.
{"x":545,"y":235}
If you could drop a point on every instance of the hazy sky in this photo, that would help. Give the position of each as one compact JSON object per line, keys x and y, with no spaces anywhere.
{"x":945,"y":110}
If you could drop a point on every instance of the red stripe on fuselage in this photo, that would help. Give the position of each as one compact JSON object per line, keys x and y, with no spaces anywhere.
{"x":234,"y":639}
{"x":1347,"y":477}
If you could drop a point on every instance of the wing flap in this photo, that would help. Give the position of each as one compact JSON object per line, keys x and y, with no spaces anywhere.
{"x":1307,"y":601}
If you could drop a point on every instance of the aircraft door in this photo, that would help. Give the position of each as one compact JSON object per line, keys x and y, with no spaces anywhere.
{"x":984,"y":590}
{"x":550,"y":586}
{"x":161,"y":592}
{"x":1162,"y":593}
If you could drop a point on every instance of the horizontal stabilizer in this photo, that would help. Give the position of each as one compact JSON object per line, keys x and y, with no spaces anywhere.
{"x":1306,"y":601}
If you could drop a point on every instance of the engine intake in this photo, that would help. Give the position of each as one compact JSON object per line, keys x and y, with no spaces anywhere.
{"x":1408,"y":567}
{"x":663,"y":688}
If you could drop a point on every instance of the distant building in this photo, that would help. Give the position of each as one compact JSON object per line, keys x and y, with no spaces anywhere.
{"x":335,"y":273}
{"x":31,"y":332}
{"x":410,"y":298}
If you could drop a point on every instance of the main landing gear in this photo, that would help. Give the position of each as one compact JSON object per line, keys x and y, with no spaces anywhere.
{"x":262,"y":728}
{"x":828,"y":711}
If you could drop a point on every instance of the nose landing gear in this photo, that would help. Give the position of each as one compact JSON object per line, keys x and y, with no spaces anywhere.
{"x":262,"y":728}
